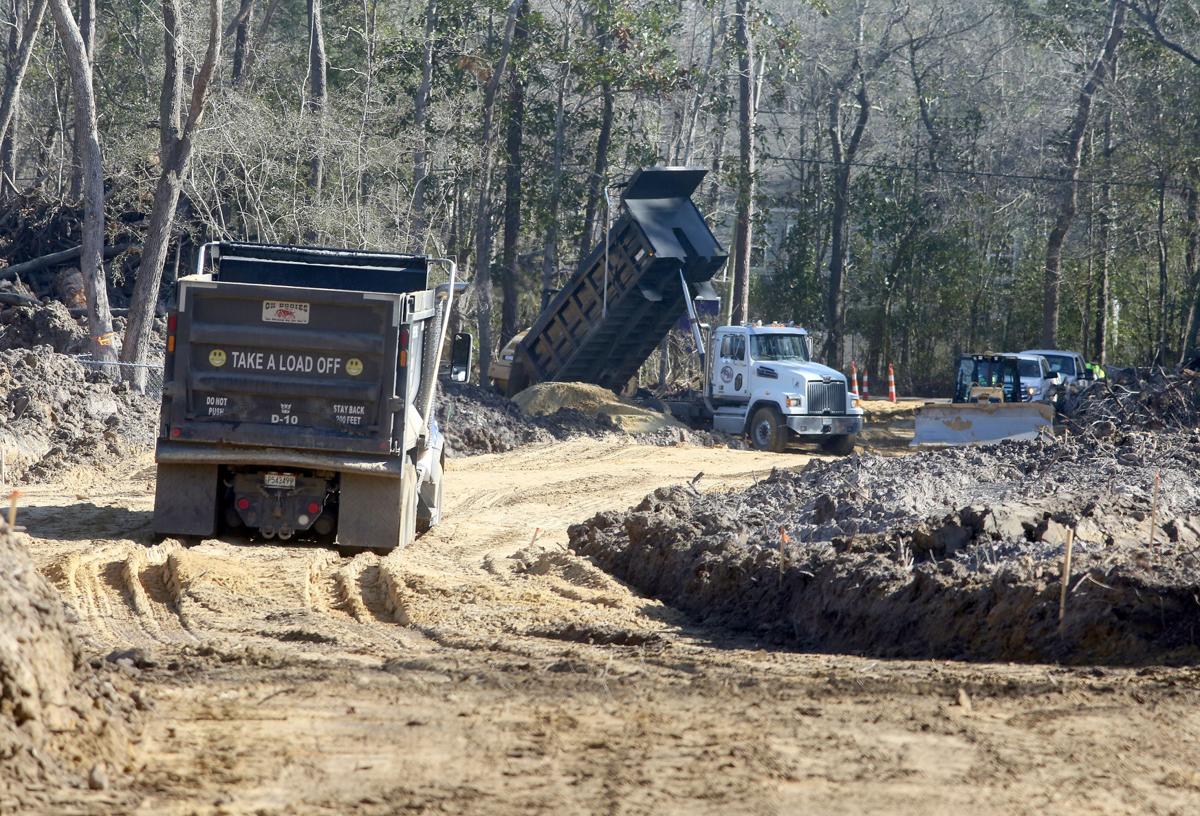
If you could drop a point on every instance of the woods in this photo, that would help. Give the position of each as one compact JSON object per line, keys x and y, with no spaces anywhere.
{"x":908,"y":181}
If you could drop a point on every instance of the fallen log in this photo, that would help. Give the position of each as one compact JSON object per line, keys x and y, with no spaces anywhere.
{"x":58,"y":259}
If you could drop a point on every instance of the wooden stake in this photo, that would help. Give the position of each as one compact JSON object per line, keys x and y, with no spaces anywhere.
{"x":1154,"y":507}
{"x":1065,"y":580}
{"x":783,"y":540}
{"x":12,"y":509}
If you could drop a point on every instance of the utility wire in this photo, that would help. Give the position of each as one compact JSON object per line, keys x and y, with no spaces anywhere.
{"x":906,"y":168}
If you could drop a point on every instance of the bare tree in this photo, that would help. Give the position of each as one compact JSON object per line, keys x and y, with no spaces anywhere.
{"x":241,"y":43}
{"x":21,"y":43}
{"x":1152,"y":13}
{"x":483,"y":210}
{"x":513,"y":142}
{"x":550,"y":244}
{"x":420,"y":114}
{"x":91,"y":262}
{"x":743,"y":227}
{"x":318,"y":91}
{"x":175,"y":149}
{"x":1072,"y":157}
{"x":87,"y":31}
{"x":598,"y":180}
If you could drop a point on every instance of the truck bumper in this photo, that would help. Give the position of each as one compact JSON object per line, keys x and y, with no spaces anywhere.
{"x":824,"y":425}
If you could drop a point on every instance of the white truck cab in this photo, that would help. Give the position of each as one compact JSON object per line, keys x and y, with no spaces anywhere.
{"x":762,"y":381}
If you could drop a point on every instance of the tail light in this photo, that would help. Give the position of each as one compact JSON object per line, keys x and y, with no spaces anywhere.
{"x":404,"y":347}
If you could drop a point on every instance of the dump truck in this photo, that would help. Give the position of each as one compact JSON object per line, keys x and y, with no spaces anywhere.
{"x":298,"y":395}
{"x":627,"y":293}
{"x":761,"y":381}
{"x":653,"y":268}
{"x":990,"y":403}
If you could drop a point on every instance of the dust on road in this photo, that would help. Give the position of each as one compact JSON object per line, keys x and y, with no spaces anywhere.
{"x":488,"y":669}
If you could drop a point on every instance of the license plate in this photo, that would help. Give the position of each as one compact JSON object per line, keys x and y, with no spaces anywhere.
{"x":284,"y":480}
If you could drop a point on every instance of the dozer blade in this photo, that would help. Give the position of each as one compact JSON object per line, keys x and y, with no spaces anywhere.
{"x":975,"y":423}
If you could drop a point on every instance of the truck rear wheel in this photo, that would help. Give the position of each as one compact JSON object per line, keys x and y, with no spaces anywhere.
{"x":840,"y":445}
{"x":767,"y":430}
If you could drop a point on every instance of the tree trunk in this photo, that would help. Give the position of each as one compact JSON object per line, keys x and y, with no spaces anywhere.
{"x":483,"y":225}
{"x":1072,"y":157}
{"x":252,"y":43}
{"x":1191,"y":262}
{"x":550,"y":245}
{"x":843,"y":157}
{"x":103,"y":342}
{"x":743,"y":226}
{"x":598,"y":181}
{"x":1100,"y":349}
{"x":1160,"y":235}
{"x":87,"y":31}
{"x":420,"y":114}
{"x":176,"y":150}
{"x":512,"y":190}
{"x":318,"y":91}
{"x":241,"y":41}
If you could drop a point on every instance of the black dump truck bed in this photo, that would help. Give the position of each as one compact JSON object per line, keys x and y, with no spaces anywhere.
{"x":616,"y":309}
{"x":297,"y":386}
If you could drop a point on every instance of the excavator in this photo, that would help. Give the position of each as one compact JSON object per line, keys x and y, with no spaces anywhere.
{"x":989,"y":404}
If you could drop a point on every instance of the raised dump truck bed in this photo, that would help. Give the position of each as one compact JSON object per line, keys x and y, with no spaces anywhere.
{"x":616,"y":309}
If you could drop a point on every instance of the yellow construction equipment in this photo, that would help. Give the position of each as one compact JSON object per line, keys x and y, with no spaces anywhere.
{"x":988,"y":406}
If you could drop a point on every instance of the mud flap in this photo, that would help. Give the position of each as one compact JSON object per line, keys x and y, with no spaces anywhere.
{"x":185,"y":500}
{"x":977,"y":423}
{"x":377,"y":513}
{"x":429,"y":500}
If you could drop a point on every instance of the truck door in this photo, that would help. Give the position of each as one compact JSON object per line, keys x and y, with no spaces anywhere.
{"x":732,"y":378}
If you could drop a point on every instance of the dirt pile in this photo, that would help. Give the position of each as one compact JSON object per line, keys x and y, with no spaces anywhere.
{"x":62,"y":721}
{"x":56,"y":413}
{"x":50,"y":324}
{"x":593,"y":400}
{"x":952,"y":553}
{"x":1136,"y":399}
{"x":479,"y":420}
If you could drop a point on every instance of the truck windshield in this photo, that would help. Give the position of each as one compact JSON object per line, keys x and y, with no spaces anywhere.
{"x":1030,"y":370}
{"x":779,"y":347}
{"x":1060,"y":363}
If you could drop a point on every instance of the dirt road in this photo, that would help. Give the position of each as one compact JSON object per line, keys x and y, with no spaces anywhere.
{"x":488,"y":670}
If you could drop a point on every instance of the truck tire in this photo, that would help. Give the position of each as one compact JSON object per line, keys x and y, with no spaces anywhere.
{"x":840,"y":445}
{"x":767,"y":430}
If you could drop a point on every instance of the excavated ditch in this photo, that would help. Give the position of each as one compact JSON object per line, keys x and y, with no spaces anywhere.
{"x":953,"y":553}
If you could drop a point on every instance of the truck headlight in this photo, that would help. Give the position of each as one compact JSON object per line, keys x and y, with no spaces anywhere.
{"x":794,"y":402}
{"x":1031,"y":390}
{"x":854,"y":402}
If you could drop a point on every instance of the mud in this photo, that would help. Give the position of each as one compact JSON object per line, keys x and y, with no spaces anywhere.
{"x":63,"y":723}
{"x":57,"y":414}
{"x":943,"y":554}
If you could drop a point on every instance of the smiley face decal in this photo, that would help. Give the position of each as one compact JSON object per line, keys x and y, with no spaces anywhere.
{"x":216,"y":358}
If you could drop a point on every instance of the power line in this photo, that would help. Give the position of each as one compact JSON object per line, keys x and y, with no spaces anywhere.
{"x":1146,"y":185}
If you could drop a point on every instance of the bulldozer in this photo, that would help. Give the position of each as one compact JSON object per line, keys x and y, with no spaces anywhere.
{"x":989,"y":404}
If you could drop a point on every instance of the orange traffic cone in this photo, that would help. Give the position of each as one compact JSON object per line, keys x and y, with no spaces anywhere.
{"x":891,"y":383}
{"x":853,"y":377}
{"x":866,"y":392}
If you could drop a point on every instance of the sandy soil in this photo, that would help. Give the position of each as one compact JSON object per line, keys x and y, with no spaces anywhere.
{"x":488,"y":670}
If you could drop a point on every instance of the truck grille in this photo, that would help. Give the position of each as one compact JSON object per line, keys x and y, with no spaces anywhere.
{"x":827,"y":398}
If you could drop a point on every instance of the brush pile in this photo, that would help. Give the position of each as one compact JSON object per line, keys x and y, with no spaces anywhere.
{"x":1136,"y":400}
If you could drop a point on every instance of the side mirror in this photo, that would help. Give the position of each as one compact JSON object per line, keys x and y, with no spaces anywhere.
{"x":461,"y":355}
